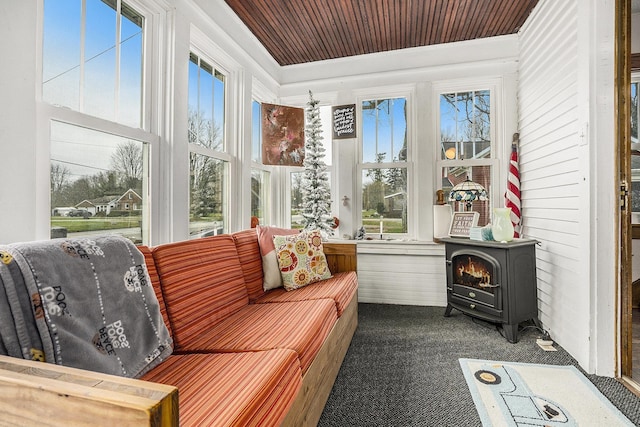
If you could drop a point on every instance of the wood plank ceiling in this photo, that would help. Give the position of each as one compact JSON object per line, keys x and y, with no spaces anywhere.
{"x":300,"y":31}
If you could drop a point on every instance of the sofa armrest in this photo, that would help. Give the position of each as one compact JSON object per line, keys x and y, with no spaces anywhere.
{"x":43,"y":394}
{"x":341,"y":256}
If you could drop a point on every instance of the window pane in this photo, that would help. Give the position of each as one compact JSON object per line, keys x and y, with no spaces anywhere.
{"x":296,"y":199}
{"x":635,"y":158}
{"x":465,"y":126}
{"x":384,"y":130}
{"x":206,"y":105}
{"x":208,"y":195}
{"x":327,"y":133}
{"x":100,"y":60}
{"x":634,"y":113}
{"x":256,"y":132}
{"x":384,"y":200}
{"x":259,"y":195}
{"x":452,"y":176}
{"x":61,"y":53}
{"x":131,"y":44}
{"x":98,"y":183}
{"x":106,"y":91}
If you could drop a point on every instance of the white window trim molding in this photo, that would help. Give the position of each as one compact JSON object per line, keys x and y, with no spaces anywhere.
{"x":400,"y":91}
{"x":498,"y":150}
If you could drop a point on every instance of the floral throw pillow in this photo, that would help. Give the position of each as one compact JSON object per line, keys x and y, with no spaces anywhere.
{"x":270,"y":271}
{"x":301,"y":259}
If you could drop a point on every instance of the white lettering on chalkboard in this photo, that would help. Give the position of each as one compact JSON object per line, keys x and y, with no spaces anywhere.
{"x":344,"y":121}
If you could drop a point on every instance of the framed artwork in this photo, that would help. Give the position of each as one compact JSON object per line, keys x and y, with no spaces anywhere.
{"x":282,"y":135}
{"x":461,"y":223}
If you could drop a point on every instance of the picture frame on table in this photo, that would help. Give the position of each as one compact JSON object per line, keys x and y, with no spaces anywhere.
{"x":462,"y":222}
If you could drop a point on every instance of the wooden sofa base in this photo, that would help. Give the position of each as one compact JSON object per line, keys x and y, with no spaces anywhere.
{"x":43,"y":394}
{"x":319,"y":378}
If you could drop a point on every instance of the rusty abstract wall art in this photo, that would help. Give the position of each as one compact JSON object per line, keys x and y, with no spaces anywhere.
{"x":282,"y":135}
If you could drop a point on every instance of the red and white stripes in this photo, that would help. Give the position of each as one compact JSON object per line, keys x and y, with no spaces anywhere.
{"x":512,"y":196}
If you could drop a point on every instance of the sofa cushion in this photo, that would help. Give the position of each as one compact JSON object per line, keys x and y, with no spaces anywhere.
{"x":249,"y":253}
{"x":155,"y":281}
{"x":341,"y":288}
{"x":301,"y":259}
{"x":202,"y":284}
{"x":234,"y":389}
{"x":300,"y":326}
{"x":270,"y":271}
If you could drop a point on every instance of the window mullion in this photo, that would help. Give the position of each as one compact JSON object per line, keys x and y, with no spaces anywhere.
{"x":391,"y":104}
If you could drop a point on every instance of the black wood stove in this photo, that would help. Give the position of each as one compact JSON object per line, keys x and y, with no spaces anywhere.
{"x":493,"y":281}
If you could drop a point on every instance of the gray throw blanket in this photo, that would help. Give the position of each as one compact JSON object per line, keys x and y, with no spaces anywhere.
{"x":85,"y":302}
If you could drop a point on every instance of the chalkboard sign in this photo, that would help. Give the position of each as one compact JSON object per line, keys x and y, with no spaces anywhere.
{"x":344,"y":121}
{"x":462,"y":222}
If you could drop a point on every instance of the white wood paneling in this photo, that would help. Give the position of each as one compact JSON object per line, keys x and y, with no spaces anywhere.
{"x":408,"y":273}
{"x":19,"y":165}
{"x":552,"y":170}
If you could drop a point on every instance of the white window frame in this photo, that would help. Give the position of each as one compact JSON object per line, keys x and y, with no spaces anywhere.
{"x":284,"y":172}
{"x":156,"y":16}
{"x":261,"y":95}
{"x":228,"y":148}
{"x":408,"y":92}
{"x":494,"y":87}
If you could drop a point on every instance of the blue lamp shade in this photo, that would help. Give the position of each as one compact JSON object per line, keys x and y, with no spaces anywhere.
{"x":468,"y":191}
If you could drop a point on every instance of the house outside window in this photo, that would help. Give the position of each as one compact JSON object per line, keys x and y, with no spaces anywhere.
{"x":94,"y":83}
{"x":384,"y":166}
{"x":208,"y":152}
{"x":465,"y":144}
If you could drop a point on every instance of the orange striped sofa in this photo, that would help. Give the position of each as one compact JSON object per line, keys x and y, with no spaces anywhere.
{"x":243,"y":356}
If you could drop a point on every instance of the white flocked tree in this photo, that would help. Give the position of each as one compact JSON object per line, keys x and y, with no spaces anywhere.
{"x":316,"y":192}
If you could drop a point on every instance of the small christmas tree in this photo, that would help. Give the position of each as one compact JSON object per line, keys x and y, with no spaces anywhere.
{"x":316,"y":193}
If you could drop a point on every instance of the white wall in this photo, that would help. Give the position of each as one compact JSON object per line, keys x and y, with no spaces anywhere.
{"x":402,"y":273}
{"x":18,"y":158}
{"x":566,"y":147}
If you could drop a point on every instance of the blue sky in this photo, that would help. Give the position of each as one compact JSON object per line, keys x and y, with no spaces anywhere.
{"x":62,"y":45}
{"x":391,"y":127}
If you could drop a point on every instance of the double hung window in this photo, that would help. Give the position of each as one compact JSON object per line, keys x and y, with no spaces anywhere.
{"x":260,"y":174}
{"x":465,"y":143}
{"x":384,"y":166}
{"x":94,"y":83}
{"x":296,"y":174}
{"x":208,"y":152}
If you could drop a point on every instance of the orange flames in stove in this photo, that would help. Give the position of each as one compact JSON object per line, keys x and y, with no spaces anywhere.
{"x":473,"y":272}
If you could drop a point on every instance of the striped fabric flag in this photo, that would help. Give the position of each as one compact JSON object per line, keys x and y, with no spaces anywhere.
{"x":512,"y":197}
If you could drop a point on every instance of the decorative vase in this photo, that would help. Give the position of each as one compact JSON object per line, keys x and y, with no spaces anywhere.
{"x":501,"y":227}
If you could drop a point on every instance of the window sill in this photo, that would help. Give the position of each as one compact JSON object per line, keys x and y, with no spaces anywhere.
{"x":395,"y":247}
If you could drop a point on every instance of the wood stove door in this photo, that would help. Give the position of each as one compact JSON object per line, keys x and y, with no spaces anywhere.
{"x":474,"y":276}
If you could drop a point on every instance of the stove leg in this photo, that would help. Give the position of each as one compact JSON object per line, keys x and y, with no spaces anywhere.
{"x":511,"y":332}
{"x":447,"y":312}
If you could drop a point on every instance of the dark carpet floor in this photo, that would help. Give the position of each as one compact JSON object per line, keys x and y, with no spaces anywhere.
{"x":402,"y":369}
